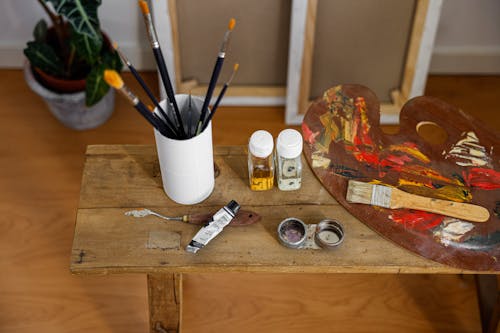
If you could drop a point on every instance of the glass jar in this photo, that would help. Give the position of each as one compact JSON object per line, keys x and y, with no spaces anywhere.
{"x":288,"y":160}
{"x":260,"y":161}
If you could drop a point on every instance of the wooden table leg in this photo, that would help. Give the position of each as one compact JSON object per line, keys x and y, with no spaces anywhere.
{"x":165,"y":302}
{"x":489,"y":301}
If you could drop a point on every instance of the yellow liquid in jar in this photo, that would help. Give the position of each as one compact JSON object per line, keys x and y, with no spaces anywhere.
{"x":261,"y":180}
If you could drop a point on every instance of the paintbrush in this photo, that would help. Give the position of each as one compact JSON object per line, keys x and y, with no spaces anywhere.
{"x":219,"y":98}
{"x":215,"y":74}
{"x":390,"y":197}
{"x":145,"y":88}
{"x":114,"y":80}
{"x":243,"y":217}
{"x":160,"y":62}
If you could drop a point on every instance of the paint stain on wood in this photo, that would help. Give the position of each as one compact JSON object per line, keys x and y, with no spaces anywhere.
{"x":164,"y":240}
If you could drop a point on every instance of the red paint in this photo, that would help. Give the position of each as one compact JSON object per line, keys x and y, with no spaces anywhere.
{"x":368,"y":157}
{"x":395,"y":161}
{"x":360,"y":104}
{"x":416,"y":219}
{"x":486,"y":179}
{"x":309,"y":136}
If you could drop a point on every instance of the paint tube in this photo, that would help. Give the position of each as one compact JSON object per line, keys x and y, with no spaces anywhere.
{"x":214,"y":226}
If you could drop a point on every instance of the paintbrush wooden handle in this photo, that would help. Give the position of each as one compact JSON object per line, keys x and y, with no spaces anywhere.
{"x":243,"y":217}
{"x":469,"y":212}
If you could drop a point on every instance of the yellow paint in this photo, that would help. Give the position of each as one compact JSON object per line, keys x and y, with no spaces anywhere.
{"x":447,"y":192}
{"x":331,"y":129}
{"x":411,"y":151}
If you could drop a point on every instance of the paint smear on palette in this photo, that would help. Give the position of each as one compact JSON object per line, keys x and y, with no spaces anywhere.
{"x":432,"y":174}
{"x":319,"y":160}
{"x":309,"y":136}
{"x":416,"y":219}
{"x":486,"y":179}
{"x":446,"y":192}
{"x":411,"y":149}
{"x":478,"y":242}
{"x":345,"y":171}
{"x":452,"y":230}
{"x":468,"y":151}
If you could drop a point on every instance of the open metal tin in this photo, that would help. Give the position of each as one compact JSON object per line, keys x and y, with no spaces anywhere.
{"x":295,"y":234}
{"x":292,"y":232}
{"x":329,"y":234}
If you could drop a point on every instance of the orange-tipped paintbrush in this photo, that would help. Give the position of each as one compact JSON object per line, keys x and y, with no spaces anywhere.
{"x":160,"y":62}
{"x":215,"y":75}
{"x":219,"y":98}
{"x":114,"y":80}
{"x":145,"y":87}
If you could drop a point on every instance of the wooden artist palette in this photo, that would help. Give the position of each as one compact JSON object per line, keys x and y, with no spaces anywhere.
{"x":343,"y":140}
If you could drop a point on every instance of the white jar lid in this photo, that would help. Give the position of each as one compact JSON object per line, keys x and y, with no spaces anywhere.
{"x":261,"y":144}
{"x":289,"y":143}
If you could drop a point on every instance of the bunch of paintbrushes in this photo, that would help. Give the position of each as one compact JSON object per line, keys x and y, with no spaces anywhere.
{"x":169,"y":121}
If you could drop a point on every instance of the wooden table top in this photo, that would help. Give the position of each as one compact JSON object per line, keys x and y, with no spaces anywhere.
{"x":120,"y":178}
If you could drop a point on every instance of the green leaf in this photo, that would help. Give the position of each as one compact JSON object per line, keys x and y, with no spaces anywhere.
{"x":81,"y":14}
{"x":86,"y":47}
{"x":112,"y":60}
{"x":44,"y":57}
{"x":40,"y":31}
{"x":95,"y":87}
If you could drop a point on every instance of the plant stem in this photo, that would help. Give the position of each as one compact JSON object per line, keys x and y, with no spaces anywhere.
{"x":70,"y":61}
{"x":58,"y":23}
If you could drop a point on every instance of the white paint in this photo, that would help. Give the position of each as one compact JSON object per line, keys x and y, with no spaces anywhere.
{"x":138,"y":213}
{"x":469,"y":152}
{"x":452,"y":230}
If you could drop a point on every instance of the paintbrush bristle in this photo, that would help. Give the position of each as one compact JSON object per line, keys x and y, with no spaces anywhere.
{"x":115,"y":45}
{"x":372,"y":194}
{"x":232,"y":23}
{"x":144,"y":7}
{"x":113,"y":78}
{"x":359,"y":192}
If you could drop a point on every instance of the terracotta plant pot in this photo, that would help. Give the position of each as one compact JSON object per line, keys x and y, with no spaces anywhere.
{"x":58,"y":84}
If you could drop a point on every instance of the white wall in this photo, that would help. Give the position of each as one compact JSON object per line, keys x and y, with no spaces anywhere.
{"x":468,"y":38}
{"x":121,"y":19}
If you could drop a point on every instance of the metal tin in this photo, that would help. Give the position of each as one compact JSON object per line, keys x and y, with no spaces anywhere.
{"x":292,"y":232}
{"x":329,"y":234}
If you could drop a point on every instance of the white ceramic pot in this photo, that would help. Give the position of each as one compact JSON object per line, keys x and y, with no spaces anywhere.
{"x":70,"y":109}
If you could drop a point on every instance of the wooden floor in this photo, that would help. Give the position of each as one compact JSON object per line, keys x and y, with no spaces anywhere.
{"x":41,"y":165}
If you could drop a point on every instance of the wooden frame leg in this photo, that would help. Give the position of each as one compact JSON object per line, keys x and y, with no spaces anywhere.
{"x":165,"y":302}
{"x":489,"y":301}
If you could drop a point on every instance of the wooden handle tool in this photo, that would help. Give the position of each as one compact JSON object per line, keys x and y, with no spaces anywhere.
{"x":389,"y":197}
{"x":243,"y":217}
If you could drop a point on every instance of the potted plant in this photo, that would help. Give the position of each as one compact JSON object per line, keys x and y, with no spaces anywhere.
{"x":67,"y":63}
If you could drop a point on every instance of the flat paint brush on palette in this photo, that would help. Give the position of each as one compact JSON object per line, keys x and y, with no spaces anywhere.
{"x":393,"y":198}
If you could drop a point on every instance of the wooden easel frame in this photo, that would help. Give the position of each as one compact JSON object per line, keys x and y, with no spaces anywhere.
{"x":296,"y":94}
{"x":165,"y":17}
{"x":418,"y":56}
